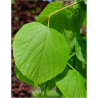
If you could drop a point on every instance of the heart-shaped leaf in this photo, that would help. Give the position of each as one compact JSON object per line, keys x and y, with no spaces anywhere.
{"x":40,"y":53}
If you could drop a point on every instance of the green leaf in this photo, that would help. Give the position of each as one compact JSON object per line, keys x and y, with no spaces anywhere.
{"x":40,"y":53}
{"x":23,"y":78}
{"x":72,"y":84}
{"x":59,"y":21}
{"x":80,"y":48}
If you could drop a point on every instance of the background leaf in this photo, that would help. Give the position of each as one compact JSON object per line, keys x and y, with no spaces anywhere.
{"x":40,"y":53}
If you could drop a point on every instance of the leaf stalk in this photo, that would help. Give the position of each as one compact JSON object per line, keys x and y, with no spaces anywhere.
{"x":71,"y":66}
{"x":48,"y":20}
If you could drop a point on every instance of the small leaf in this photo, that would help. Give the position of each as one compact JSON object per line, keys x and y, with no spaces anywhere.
{"x":80,"y":48}
{"x":72,"y":84}
{"x":40,"y":53}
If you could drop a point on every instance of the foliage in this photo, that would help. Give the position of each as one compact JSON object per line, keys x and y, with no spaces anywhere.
{"x":43,"y":50}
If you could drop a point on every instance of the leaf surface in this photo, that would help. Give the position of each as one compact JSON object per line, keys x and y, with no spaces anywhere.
{"x":40,"y":53}
{"x":72,"y":84}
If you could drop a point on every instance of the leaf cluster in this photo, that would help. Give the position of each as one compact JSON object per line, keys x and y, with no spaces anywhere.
{"x":51,"y":53}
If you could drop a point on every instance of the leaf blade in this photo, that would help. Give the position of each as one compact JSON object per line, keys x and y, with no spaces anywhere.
{"x":35,"y":54}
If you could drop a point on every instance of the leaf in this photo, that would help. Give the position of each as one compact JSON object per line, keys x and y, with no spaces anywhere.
{"x":73,"y":84}
{"x":80,"y":48}
{"x":23,"y":78}
{"x":40,"y":53}
{"x":59,"y":21}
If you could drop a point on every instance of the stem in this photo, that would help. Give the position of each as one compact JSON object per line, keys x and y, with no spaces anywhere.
{"x":72,"y":55}
{"x":45,"y":89}
{"x":61,"y":9}
{"x":48,"y":20}
{"x":71,"y":66}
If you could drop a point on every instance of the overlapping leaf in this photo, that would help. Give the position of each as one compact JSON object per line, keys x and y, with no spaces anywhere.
{"x":40,"y":52}
{"x":72,"y":84}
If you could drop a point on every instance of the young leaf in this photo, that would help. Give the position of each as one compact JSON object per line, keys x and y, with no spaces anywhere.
{"x":40,"y":53}
{"x":80,"y":48}
{"x":73,"y":84}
